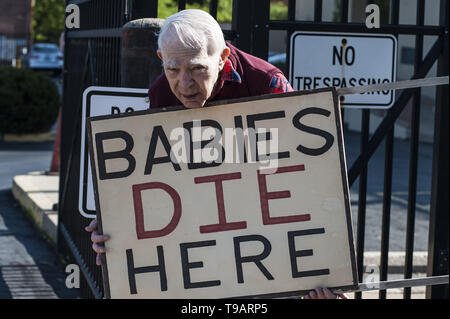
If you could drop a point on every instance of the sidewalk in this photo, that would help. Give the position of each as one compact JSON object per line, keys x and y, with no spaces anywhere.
{"x":37,"y":193}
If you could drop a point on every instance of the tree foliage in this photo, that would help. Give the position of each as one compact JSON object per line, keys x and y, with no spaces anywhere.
{"x":48,"y":20}
{"x":278,"y":10}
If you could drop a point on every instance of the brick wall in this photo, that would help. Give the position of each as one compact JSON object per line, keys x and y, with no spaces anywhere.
{"x":15,"y":18}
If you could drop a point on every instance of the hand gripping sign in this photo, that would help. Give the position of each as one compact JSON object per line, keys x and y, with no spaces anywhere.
{"x":247,"y":197}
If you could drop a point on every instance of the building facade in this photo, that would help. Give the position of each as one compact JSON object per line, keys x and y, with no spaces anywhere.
{"x":15,"y":28}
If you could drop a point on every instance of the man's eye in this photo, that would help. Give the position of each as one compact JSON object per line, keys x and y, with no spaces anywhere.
{"x":199,"y":68}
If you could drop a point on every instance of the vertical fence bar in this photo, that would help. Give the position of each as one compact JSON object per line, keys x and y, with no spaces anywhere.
{"x":344,"y":19}
{"x":413,"y":155}
{"x":318,"y":11}
{"x":213,"y":8}
{"x":260,"y":38}
{"x":362,"y":194}
{"x":145,"y":9}
{"x":344,"y":11}
{"x":181,"y":5}
{"x":387,"y":187}
{"x":242,"y":24}
{"x":439,"y":223}
{"x":291,"y":17}
{"x":386,"y":217}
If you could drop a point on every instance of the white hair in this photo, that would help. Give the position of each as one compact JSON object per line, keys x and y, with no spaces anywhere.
{"x":192,"y":29}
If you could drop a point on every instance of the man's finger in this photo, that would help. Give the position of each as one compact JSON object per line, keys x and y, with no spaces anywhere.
{"x":98,"y":260}
{"x":97,"y":238}
{"x":313,"y":294}
{"x":98,"y":249}
{"x":92,"y":225}
{"x":320,"y":294}
{"x":329,"y":294}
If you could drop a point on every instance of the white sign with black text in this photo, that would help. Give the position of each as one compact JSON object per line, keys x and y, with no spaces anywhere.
{"x":103,"y":101}
{"x":319,"y":59}
{"x":243,"y":199}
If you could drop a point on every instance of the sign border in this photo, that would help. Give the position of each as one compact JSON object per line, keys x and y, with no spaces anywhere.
{"x":343,"y":167}
{"x":87,"y":94}
{"x":360,"y":35}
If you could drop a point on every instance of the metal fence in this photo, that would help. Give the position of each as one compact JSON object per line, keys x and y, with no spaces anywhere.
{"x":10,"y":50}
{"x":92,"y":57}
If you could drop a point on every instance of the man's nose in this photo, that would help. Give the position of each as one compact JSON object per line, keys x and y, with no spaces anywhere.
{"x":186,"y":80}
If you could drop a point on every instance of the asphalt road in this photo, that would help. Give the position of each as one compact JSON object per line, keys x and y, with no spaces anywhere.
{"x":400,"y":181}
{"x":29,"y":267}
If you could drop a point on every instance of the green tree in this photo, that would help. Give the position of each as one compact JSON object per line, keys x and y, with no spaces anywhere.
{"x":278,"y":10}
{"x":48,"y":20}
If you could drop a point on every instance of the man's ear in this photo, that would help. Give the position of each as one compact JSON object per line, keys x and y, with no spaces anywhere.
{"x":224,"y":56}
{"x":158,"y":52}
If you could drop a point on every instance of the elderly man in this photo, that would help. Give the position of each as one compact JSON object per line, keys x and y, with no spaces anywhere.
{"x":199,"y":67}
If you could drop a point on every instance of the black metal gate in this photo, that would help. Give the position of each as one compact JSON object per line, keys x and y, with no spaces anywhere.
{"x":92,"y":57}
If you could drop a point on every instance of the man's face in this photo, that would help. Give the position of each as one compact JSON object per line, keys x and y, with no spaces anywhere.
{"x":192,"y":74}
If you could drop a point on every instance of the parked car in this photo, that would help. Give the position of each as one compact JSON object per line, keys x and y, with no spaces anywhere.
{"x":45,"y":57}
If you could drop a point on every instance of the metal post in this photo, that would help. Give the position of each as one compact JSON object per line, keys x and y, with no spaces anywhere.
{"x":387,"y":188}
{"x":260,"y":38}
{"x":242,"y":24}
{"x":362,"y":196}
{"x":413,"y":158}
{"x":213,"y":8}
{"x":291,"y":17}
{"x":144,"y":9}
{"x":140,"y":65}
{"x":438,"y":230}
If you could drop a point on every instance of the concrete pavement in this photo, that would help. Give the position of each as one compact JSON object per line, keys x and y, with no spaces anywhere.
{"x":29,"y":266}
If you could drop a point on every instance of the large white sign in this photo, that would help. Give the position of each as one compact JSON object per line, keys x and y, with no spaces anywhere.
{"x":102,"y":101}
{"x":210,"y":214}
{"x":319,"y":59}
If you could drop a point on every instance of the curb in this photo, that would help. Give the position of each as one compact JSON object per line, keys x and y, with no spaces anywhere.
{"x":37,"y":193}
{"x":23,"y":138}
{"x":396,"y":261}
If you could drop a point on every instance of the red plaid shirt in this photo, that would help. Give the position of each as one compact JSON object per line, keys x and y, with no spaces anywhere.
{"x":278,"y":84}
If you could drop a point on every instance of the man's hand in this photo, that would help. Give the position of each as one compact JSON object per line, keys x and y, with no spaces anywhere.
{"x":97,"y":239}
{"x":323,"y":293}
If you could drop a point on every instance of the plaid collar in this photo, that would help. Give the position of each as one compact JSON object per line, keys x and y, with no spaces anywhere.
{"x":229,"y":73}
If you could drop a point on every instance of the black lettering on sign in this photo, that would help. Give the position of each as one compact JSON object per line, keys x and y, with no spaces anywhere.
{"x":294,"y":254}
{"x":255,"y":259}
{"x":329,"y":139}
{"x":125,"y":154}
{"x":349,"y":50}
{"x":347,"y":56}
{"x":251,"y":119}
{"x":132,"y":271}
{"x":158,"y":132}
{"x":194,"y":163}
{"x":186,"y":265}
